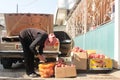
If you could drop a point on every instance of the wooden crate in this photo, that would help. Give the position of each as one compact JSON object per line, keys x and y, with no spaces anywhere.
{"x":17,"y":22}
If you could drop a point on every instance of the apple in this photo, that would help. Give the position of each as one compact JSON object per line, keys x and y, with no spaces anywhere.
{"x":91,"y":56}
{"x":102,"y":56}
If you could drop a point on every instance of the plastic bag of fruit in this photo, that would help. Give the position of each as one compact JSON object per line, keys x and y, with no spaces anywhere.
{"x":46,"y":70}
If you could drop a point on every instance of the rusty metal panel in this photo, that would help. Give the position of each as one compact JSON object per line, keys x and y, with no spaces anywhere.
{"x":17,"y":22}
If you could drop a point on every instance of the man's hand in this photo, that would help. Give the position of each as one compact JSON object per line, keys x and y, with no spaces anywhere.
{"x":41,"y":58}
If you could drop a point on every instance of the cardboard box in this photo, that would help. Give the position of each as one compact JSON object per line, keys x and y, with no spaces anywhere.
{"x":63,"y":72}
{"x":80,"y":60}
{"x":100,"y":64}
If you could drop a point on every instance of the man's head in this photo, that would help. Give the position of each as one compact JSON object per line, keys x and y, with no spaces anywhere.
{"x":51,"y":36}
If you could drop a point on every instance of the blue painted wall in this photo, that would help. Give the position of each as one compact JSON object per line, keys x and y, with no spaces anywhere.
{"x":100,"y":39}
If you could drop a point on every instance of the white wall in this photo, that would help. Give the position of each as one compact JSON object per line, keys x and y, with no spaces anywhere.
{"x":59,"y":28}
{"x":62,"y":3}
{"x":2,"y":19}
{"x":117,"y":34}
{"x":71,"y":3}
{"x":67,"y":4}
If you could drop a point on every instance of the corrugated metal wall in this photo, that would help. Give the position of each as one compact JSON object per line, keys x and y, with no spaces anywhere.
{"x":100,"y":39}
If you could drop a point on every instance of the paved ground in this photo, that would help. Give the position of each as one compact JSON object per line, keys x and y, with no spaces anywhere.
{"x":18,"y":73}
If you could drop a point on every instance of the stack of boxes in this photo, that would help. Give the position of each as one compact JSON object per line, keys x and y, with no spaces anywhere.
{"x":80,"y":60}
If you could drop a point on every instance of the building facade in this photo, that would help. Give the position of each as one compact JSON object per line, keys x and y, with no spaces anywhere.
{"x":94,"y":24}
{"x":87,"y":15}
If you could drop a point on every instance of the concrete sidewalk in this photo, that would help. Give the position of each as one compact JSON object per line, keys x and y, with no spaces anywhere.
{"x":18,"y":73}
{"x":112,"y":75}
{"x":115,"y":73}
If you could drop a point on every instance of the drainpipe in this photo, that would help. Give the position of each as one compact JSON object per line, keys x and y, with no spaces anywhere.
{"x":117,"y":36}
